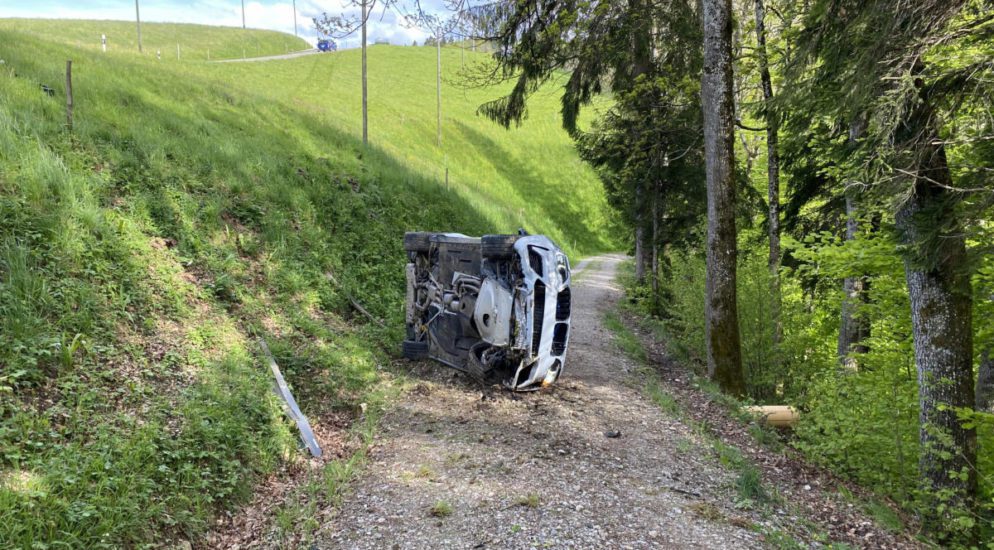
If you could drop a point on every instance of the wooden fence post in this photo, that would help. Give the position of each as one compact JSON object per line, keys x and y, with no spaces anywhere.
{"x":69,"y":94}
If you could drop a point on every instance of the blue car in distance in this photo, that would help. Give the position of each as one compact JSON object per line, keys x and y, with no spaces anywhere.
{"x":327,"y":45}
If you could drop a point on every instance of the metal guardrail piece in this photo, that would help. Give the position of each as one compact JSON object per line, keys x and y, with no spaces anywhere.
{"x":292,"y":410}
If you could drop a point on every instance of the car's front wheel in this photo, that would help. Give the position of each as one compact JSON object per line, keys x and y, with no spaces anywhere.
{"x":477,"y":366}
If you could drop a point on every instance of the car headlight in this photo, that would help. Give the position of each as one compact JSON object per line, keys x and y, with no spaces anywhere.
{"x":562,"y":266}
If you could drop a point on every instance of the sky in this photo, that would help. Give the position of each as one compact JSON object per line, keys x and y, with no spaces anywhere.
{"x":259,"y":14}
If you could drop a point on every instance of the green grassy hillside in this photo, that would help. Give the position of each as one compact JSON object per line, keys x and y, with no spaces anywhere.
{"x":196,"y":42}
{"x":194,"y":208}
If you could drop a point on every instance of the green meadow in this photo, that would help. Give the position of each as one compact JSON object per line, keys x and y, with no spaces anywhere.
{"x":196,"y":42}
{"x":196,"y":207}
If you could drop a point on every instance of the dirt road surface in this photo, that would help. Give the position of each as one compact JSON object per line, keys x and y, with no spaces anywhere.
{"x":590,"y":463}
{"x":291,"y":55}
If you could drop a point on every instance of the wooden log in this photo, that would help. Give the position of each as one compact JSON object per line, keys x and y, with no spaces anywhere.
{"x":781,"y":416}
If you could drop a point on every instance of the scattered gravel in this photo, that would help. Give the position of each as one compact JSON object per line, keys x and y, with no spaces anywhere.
{"x":587,"y":463}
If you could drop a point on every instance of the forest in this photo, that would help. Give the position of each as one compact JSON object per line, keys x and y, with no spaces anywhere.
{"x":839,"y":257}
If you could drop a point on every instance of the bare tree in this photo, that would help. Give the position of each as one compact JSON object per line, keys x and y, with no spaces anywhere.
{"x":342,"y":26}
{"x":724,"y":353}
{"x":456,"y":23}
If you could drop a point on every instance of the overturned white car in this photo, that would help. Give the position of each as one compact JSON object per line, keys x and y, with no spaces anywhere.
{"x":496,"y":307}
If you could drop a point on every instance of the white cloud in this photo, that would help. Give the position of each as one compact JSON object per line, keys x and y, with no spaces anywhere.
{"x":276,"y":15}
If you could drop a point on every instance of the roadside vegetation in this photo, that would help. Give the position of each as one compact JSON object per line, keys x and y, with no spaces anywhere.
{"x":194,"y":208}
{"x":808,"y":190}
{"x":763,"y":460}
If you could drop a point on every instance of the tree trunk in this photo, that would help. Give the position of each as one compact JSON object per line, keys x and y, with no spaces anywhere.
{"x":640,"y":250}
{"x":938,"y":279}
{"x":772,"y":170}
{"x":724,"y":352}
{"x":655,"y":250}
{"x":641,"y":52}
{"x":855,"y":328}
{"x":985,"y":383}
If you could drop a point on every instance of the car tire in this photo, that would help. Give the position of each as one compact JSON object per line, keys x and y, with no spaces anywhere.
{"x":498,"y":246}
{"x":417,"y":241}
{"x":475,"y":368}
{"x":413,"y":350}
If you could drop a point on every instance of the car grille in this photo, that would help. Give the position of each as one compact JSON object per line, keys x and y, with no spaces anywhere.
{"x":563,"y":305}
{"x":535,"y":261}
{"x":539,"y":316}
{"x":559,"y":338}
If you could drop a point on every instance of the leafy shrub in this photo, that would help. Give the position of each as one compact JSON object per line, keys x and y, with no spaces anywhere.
{"x":861,"y":422}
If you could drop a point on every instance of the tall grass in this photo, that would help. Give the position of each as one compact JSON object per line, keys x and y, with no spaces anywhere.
{"x":194,"y":207}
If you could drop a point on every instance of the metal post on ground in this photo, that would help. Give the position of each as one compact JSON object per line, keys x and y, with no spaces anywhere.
{"x":243,"y":14}
{"x":438,"y":86}
{"x":365,"y":119}
{"x":138,"y":20}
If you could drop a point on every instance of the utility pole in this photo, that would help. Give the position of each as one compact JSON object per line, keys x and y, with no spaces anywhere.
{"x":69,"y":95}
{"x":365,"y":120}
{"x":243,"y":14}
{"x":138,"y":19}
{"x":438,"y":85}
{"x":295,"y":18}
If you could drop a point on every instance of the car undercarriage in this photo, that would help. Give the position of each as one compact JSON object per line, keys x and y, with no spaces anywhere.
{"x":496,"y":307}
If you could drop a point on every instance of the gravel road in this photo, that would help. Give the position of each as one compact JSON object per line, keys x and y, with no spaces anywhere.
{"x":292,"y":55}
{"x":454,"y":467}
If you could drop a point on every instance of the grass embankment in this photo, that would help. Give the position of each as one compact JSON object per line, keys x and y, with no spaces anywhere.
{"x":196,"y":42}
{"x":195,"y":207}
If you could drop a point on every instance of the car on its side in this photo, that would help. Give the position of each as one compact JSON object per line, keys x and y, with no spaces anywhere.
{"x":496,"y":307}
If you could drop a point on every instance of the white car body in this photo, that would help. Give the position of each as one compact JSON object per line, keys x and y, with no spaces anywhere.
{"x":497,"y":307}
